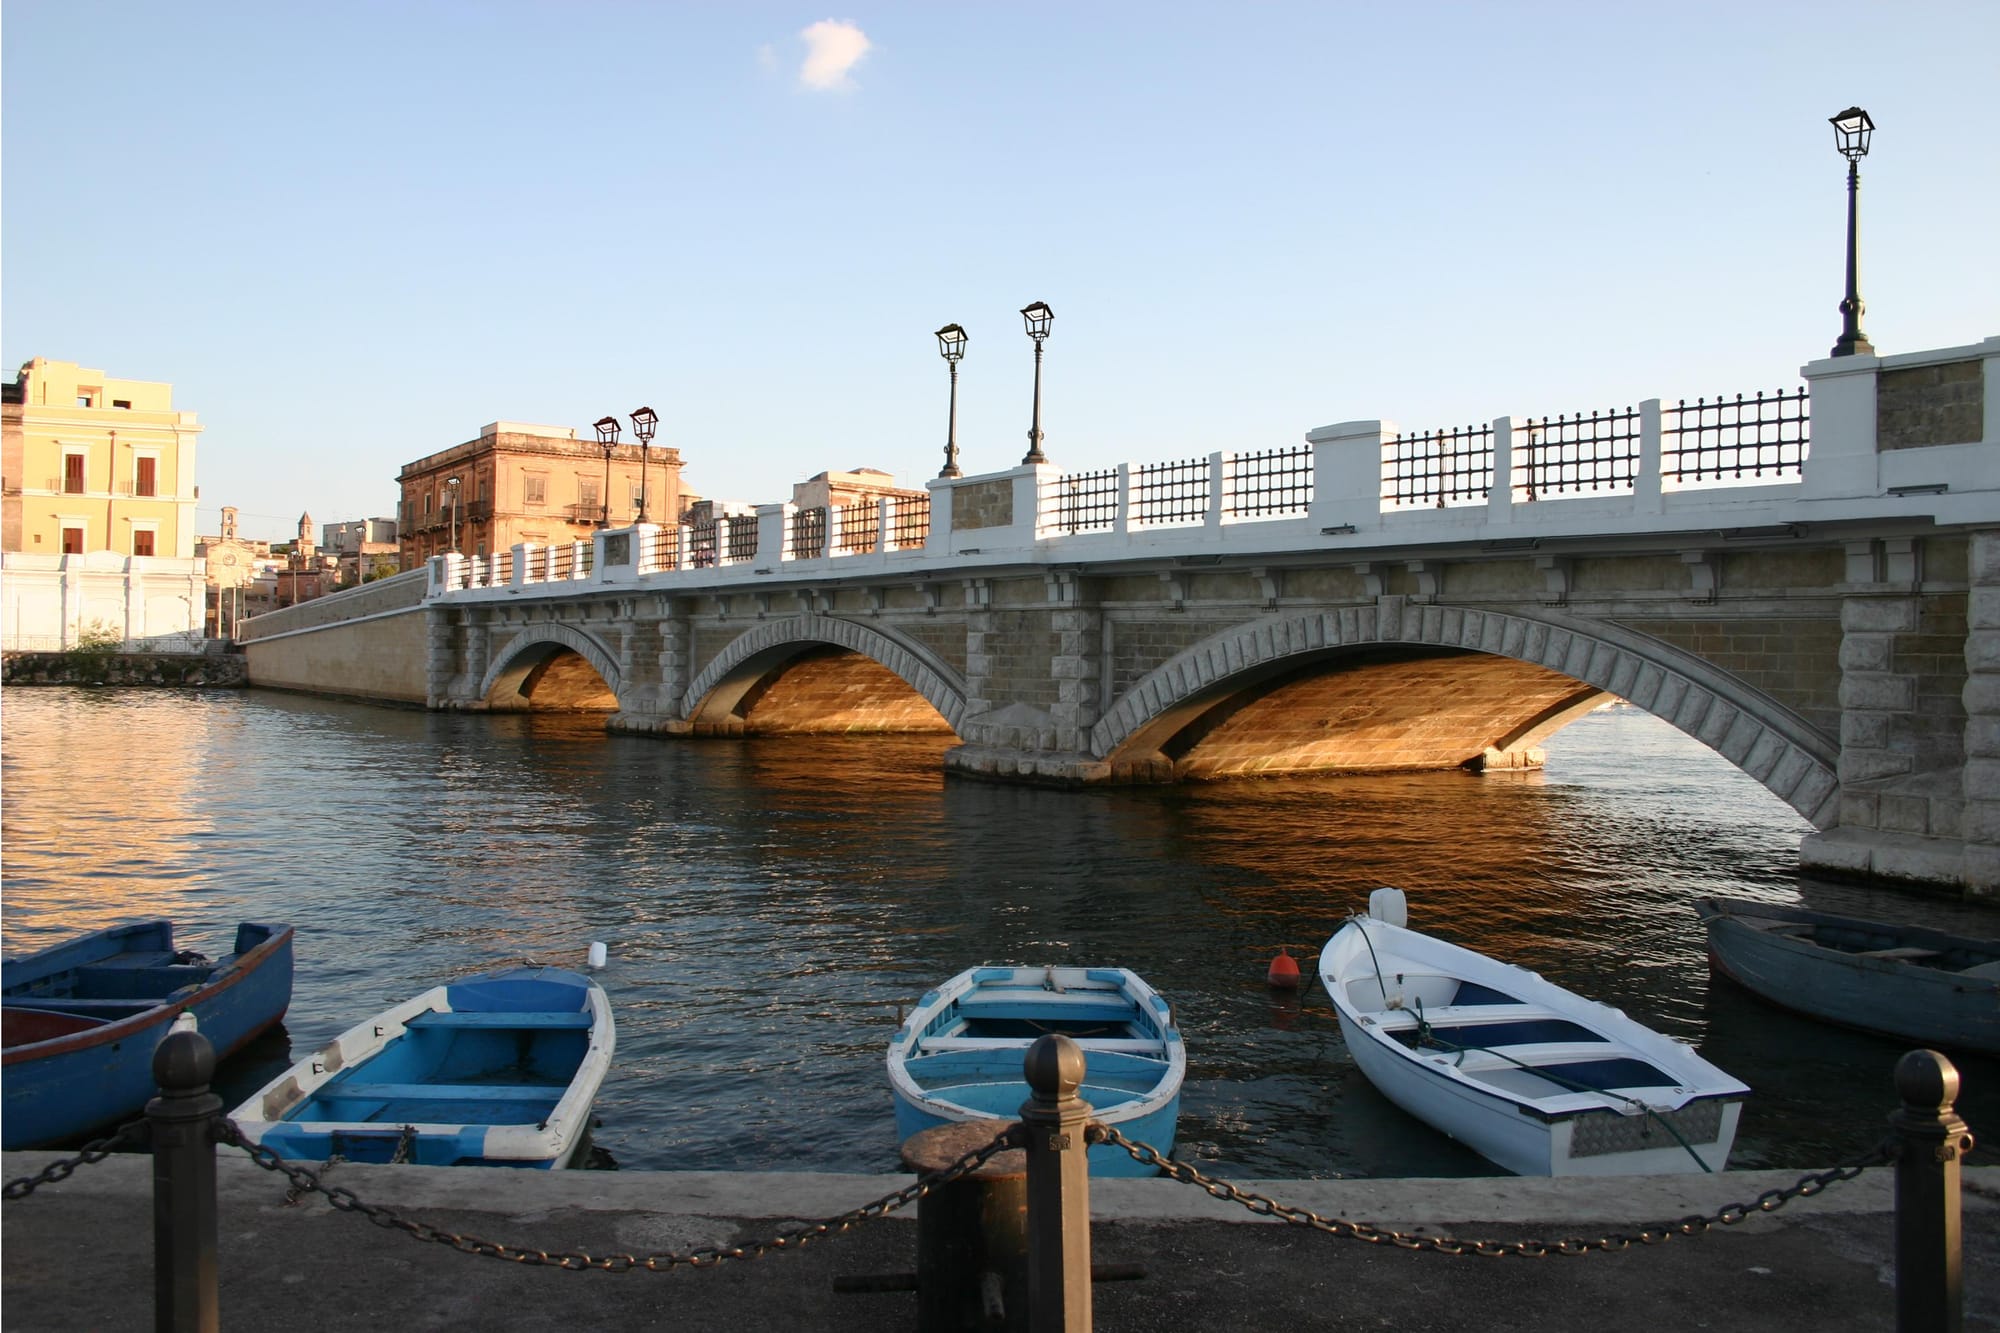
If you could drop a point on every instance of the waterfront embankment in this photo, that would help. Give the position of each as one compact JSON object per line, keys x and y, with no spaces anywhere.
{"x":79,"y":1253}
{"x":202,"y":671}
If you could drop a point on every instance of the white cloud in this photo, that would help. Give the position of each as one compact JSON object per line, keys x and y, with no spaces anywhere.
{"x":832,"y":49}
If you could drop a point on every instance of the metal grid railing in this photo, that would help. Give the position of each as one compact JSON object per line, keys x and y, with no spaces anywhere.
{"x":808,"y":534}
{"x":701,"y":545}
{"x":1269,"y":482}
{"x":911,"y":526}
{"x":570,"y":561}
{"x":860,"y":527}
{"x":1082,"y":501}
{"x":1736,"y":439}
{"x":1167,"y":494}
{"x":742,"y":537}
{"x":1450,"y":465}
{"x":1573,"y":454}
{"x":659,"y":549}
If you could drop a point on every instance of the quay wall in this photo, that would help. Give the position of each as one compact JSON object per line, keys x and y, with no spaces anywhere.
{"x":196,"y":671}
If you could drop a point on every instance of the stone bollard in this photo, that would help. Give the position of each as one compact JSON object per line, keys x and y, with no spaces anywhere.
{"x":972,"y":1235}
{"x":182,"y":1121}
{"x":1053,"y":1122}
{"x":1931,"y":1138}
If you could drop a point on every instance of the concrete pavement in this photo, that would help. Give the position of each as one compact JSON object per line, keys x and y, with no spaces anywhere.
{"x":78,"y":1254}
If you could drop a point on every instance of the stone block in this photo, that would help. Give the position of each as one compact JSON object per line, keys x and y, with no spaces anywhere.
{"x":1904,"y":814}
{"x":1867,"y":652}
{"x":1982,"y":737}
{"x":1982,"y":694}
{"x":1979,"y":822}
{"x":1867,"y":731}
{"x":1880,"y":614}
{"x":1979,"y":874}
{"x":1842,"y":855}
{"x":1868,"y":765}
{"x":1860,"y":809}
{"x":1980,"y":779}
{"x":1894,"y":694}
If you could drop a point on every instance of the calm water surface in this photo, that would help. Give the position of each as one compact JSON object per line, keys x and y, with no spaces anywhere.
{"x":769,"y":905}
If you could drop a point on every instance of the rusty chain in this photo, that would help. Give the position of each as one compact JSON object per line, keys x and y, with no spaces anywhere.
{"x":305,"y":1180}
{"x":131,"y":1134}
{"x":1652,"y":1233}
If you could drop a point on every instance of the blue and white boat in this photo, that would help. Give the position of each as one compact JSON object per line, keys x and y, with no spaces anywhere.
{"x":1533,"y":1077}
{"x":82,"y":1019}
{"x":958,"y":1055}
{"x":496,"y":1070}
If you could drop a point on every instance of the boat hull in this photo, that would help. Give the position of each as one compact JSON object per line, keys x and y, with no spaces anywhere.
{"x":1899,"y":986}
{"x":958,"y":1057}
{"x":499,"y":1070}
{"x":1534,"y":1078}
{"x":81,"y":1025}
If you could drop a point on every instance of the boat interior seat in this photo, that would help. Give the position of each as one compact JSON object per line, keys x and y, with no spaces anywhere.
{"x":136,"y":958}
{"x":1906,"y":953}
{"x":441,"y":1018}
{"x":1462,"y":1015}
{"x":441,"y":1092}
{"x":1125,"y":1045}
{"x":101,"y":981}
{"x":1984,"y":971}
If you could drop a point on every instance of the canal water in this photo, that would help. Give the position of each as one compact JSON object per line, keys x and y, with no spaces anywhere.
{"x":771,"y":905}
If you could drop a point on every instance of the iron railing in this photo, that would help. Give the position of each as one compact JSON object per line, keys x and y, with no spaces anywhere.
{"x":1266,"y":483}
{"x":1171,"y":493}
{"x":1598,"y":452}
{"x":1450,"y":465}
{"x":911,"y":525}
{"x":1734,"y":440}
{"x":1082,"y":501}
{"x":860,"y":526}
{"x":808,"y":534}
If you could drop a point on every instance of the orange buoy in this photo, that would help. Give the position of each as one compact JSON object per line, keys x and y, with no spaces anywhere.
{"x":1284,"y":973}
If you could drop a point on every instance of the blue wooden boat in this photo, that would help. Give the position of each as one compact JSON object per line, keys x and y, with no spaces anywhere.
{"x":495,"y":1070}
{"x":1900,"y":981}
{"x":958,"y":1055}
{"x":82,"y":1018}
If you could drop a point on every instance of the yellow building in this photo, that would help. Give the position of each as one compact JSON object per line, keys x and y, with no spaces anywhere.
{"x":93,"y":463}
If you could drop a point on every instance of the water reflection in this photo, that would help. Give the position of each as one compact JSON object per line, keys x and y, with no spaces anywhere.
{"x":768,"y":904}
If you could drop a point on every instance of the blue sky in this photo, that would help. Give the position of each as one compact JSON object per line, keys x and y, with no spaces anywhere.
{"x":352,"y":233}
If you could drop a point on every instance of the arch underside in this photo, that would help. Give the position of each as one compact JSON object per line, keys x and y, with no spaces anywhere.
{"x":552,"y":669}
{"x":821,"y":674}
{"x":1363,"y":690}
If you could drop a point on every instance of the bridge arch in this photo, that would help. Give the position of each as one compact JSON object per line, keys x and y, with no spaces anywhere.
{"x":1748,"y":728}
{"x":521,"y":663}
{"x":720,"y":687}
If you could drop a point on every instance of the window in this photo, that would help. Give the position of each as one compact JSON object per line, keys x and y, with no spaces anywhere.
{"x":86,"y":399}
{"x":586,"y":492}
{"x":125,"y":403}
{"x":142,"y":541}
{"x":72,"y":541}
{"x":534,"y":489}
{"x":147,"y":481}
{"x":430,"y":503}
{"x":73,"y":474}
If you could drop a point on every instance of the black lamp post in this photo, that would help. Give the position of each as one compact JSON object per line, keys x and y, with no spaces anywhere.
{"x":1038,"y":317}
{"x":644,"y":422}
{"x":607,"y":439}
{"x":1851,"y":129}
{"x":451,"y":489}
{"x":951,"y":346}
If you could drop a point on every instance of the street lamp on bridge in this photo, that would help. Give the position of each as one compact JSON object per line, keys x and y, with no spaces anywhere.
{"x":609,"y":443}
{"x":1851,"y":130}
{"x":1038,"y":317}
{"x":607,"y":440}
{"x":644,"y":422}
{"x":451,"y":490}
{"x":951,"y":346}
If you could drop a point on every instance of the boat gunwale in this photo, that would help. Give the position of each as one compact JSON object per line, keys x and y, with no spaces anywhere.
{"x":244,"y":968}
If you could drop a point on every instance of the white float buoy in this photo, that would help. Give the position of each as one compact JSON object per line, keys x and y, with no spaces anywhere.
{"x":597,"y":954}
{"x":184,"y":1021}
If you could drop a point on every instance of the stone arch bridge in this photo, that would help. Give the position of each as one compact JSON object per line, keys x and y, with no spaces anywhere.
{"x":1827,"y":619}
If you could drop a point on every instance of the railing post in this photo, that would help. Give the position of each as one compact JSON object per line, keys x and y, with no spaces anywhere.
{"x":1930,"y":1139}
{"x":182,"y":1119}
{"x":1053,"y":1122}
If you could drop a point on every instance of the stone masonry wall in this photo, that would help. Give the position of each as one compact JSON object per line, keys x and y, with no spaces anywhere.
{"x":211,"y":671}
{"x":1924,"y":405}
{"x":987,"y":504}
{"x":1981,"y":779}
{"x":1790,"y":660}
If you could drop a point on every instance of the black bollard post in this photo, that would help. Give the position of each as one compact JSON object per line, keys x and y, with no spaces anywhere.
{"x":1053,"y":1121}
{"x":972,"y":1235}
{"x":182,"y":1119}
{"x":1930,"y":1137}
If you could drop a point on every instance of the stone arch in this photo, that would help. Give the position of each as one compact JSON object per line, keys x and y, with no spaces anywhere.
{"x":940,"y":686}
{"x":1748,"y":728}
{"x":534,"y":645}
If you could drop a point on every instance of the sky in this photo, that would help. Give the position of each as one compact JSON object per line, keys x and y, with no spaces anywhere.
{"x":351,"y":234}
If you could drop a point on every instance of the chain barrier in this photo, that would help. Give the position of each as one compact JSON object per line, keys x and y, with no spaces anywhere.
{"x":131,"y":1134}
{"x":304,"y":1180}
{"x":1650,"y":1233}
